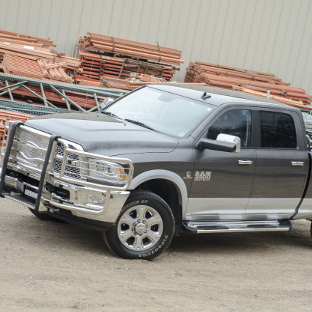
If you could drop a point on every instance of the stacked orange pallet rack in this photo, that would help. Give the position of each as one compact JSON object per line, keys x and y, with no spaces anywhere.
{"x":107,"y":58}
{"x":248,"y":81}
{"x":33,"y":57}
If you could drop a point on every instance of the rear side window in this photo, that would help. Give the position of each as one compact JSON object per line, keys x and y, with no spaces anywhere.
{"x":277,"y":130}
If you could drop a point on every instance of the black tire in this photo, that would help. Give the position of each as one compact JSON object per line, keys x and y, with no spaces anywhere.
{"x":45,"y":217}
{"x":144,"y":228}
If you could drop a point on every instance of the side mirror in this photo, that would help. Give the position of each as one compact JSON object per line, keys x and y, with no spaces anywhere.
{"x":230,"y":139}
{"x":223,"y":143}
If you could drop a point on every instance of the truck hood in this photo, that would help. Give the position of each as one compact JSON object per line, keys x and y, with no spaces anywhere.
{"x":100,"y":134}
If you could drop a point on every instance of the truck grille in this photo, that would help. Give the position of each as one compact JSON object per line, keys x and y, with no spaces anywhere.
{"x":70,"y":170}
{"x":29,"y":149}
{"x":59,"y":158}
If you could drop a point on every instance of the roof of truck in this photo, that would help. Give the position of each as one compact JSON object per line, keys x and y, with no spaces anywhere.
{"x":218,"y":96}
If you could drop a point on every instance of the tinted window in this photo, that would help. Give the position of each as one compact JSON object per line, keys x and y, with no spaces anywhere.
{"x":234,"y":122}
{"x":277,"y":130}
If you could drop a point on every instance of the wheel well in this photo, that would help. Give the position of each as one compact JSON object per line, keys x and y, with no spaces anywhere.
{"x":169,"y":192}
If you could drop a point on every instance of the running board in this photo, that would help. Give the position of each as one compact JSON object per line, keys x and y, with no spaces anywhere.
{"x":197,"y":227}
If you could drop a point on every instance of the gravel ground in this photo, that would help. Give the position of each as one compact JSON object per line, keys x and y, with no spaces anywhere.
{"x":49,"y":266}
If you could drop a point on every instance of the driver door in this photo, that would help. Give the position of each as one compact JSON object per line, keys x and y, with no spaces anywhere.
{"x":223,"y":181}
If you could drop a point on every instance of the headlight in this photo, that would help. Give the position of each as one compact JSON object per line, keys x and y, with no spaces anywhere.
{"x":104,"y":171}
{"x":95,"y":170}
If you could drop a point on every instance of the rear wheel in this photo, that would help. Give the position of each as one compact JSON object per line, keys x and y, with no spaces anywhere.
{"x":144,"y":228}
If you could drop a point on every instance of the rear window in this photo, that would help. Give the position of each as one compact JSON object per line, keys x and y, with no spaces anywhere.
{"x":277,"y":130}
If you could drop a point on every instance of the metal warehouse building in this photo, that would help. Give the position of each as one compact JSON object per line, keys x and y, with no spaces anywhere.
{"x":272,"y":36}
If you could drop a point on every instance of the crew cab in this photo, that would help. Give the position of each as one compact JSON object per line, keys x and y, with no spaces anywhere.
{"x":163,"y":159}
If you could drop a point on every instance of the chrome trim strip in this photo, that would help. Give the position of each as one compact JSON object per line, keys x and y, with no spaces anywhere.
{"x":238,"y":226}
{"x":245,"y":162}
{"x":297,"y":163}
{"x":244,"y":230}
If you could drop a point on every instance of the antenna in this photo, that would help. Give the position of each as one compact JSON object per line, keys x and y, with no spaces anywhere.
{"x":205,"y":96}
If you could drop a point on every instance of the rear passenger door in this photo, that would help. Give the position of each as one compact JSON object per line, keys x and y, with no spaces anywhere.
{"x":281,"y":165}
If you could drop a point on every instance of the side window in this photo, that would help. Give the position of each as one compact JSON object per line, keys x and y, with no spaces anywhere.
{"x":277,"y":130}
{"x":234,"y":122}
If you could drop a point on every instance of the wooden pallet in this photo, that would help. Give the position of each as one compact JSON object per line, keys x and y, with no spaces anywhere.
{"x":249,"y":81}
{"x":131,"y":48}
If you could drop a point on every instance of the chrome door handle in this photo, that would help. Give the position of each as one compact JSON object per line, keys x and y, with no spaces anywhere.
{"x":297,"y":163}
{"x":245,"y":162}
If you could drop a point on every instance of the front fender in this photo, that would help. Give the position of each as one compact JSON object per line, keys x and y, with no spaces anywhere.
{"x":163,"y":174}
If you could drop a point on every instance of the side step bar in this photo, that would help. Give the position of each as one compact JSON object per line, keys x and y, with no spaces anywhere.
{"x":197,"y":227}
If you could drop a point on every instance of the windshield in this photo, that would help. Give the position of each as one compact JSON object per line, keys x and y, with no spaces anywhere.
{"x":161,"y":111}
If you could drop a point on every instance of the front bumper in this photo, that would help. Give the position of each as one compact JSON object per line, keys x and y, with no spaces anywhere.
{"x":92,"y":204}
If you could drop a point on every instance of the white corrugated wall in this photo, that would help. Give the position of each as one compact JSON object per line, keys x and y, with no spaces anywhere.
{"x":272,"y":36}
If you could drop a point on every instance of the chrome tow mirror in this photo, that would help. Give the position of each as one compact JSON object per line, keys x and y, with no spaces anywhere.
{"x":223,"y":143}
{"x":230,"y":139}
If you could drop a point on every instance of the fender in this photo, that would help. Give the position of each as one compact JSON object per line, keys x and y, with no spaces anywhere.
{"x":163,"y":174}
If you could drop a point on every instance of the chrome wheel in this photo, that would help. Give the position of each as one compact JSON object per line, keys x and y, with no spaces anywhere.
{"x":144,"y":228}
{"x":140,"y":228}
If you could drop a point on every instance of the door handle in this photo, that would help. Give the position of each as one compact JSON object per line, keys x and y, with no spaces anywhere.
{"x":297,"y":163}
{"x":245,"y":162}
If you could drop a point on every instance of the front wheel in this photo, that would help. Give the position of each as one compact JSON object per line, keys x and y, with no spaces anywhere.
{"x":144,"y":228}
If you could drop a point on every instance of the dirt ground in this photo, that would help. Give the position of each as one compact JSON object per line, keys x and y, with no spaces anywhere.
{"x":49,"y":266}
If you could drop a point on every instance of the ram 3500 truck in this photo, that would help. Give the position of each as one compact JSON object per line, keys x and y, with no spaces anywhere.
{"x":161,"y":160}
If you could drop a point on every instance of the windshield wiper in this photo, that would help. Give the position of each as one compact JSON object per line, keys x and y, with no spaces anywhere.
{"x":140,"y":124}
{"x":110,"y":115}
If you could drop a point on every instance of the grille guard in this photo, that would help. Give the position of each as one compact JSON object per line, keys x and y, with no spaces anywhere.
{"x":48,"y":170}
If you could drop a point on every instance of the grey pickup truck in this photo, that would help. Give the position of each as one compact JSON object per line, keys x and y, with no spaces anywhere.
{"x":163,"y":159}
